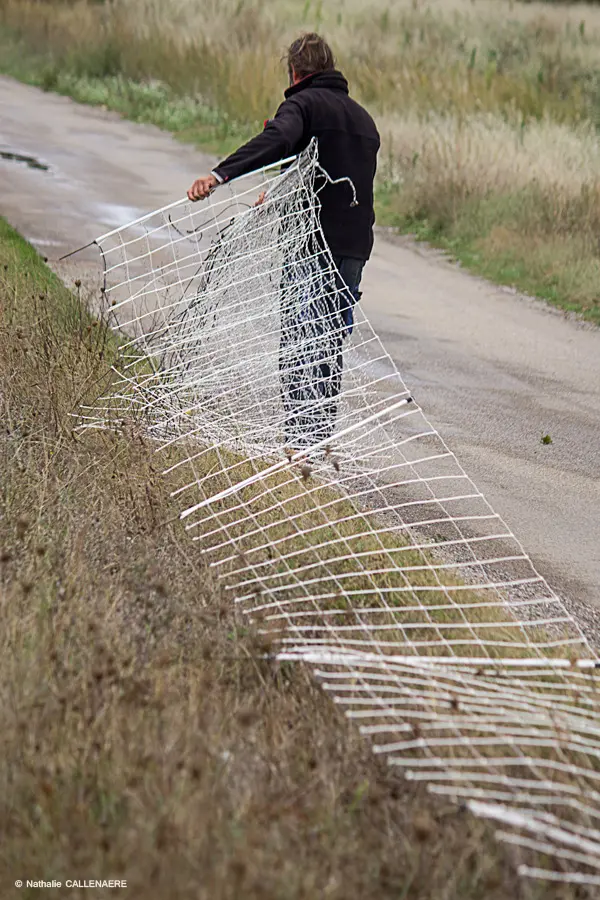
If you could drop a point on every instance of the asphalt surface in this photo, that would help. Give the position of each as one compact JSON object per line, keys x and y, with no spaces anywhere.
{"x":493,"y":370}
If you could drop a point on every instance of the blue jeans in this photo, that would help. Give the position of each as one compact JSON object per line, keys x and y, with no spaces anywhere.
{"x":350,"y":271}
{"x":313,"y":329}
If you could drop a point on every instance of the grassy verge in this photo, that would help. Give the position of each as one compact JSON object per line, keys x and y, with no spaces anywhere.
{"x":142,"y":735}
{"x":188,"y":118}
{"x":488,"y":112}
{"x":493,"y":238}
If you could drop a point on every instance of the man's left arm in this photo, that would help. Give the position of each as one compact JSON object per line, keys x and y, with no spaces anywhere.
{"x":280,"y":137}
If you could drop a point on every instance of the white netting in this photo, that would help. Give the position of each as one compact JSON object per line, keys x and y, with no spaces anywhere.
{"x":339,"y":518}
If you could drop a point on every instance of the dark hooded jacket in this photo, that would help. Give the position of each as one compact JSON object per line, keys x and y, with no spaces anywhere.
{"x":319,"y":106}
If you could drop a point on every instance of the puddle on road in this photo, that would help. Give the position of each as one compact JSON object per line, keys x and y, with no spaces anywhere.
{"x":43,"y":242}
{"x":118,"y":215}
{"x":29,"y":161}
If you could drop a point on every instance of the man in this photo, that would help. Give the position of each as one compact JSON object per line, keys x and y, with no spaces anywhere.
{"x":317,"y":104}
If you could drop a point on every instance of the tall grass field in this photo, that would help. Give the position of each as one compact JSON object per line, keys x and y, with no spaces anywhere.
{"x":488,"y":109}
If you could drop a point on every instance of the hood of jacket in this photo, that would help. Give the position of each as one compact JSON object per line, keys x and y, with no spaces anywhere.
{"x":332,"y":79}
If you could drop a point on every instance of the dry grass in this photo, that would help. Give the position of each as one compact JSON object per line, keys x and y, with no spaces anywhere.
{"x":143,"y":734}
{"x":469,"y":56}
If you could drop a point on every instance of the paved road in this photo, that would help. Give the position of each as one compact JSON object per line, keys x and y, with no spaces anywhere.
{"x":493,"y":370}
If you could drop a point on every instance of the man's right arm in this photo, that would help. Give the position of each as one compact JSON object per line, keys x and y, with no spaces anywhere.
{"x":280,"y":138}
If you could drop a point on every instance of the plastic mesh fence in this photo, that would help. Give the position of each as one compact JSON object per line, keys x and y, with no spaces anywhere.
{"x":340,"y":520}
